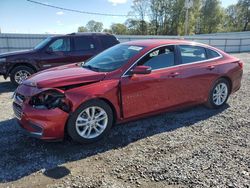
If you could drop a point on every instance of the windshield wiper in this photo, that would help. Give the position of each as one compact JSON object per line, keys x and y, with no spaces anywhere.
{"x":91,"y":68}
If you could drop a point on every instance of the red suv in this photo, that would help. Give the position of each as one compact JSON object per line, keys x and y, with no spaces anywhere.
{"x":54,"y":51}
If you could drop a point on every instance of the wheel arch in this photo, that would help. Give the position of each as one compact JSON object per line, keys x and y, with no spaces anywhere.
{"x":111,"y":106}
{"x":95,"y":99}
{"x":21,"y":64}
{"x":226,"y":78}
{"x":229,"y":81}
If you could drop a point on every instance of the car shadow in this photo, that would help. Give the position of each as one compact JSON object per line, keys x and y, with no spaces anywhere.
{"x":22,"y":155}
{"x":6,"y":86}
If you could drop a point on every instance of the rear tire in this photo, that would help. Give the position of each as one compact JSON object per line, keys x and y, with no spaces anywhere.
{"x":20,"y":73}
{"x":90,"y":122}
{"x":219,"y":94}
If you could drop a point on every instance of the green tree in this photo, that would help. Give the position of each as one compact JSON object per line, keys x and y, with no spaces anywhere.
{"x":212,"y":16}
{"x":119,"y":29}
{"x":168,"y":17}
{"x":194,"y":18}
{"x":133,"y":26}
{"x":82,"y":29}
{"x":156,"y":10}
{"x":232,"y":19}
{"x":244,"y":6}
{"x":94,"y":26}
{"x":140,"y":10}
{"x":238,"y":16}
{"x":107,"y":30}
{"x":175,"y":16}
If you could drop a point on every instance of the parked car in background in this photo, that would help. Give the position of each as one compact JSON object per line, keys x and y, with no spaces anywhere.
{"x":54,"y":51}
{"x":125,"y":82}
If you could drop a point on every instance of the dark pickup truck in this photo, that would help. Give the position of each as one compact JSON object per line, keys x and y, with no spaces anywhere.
{"x":54,"y":51}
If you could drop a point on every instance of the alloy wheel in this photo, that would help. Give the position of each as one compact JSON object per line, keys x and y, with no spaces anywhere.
{"x":21,"y":75}
{"x":91,"y":122}
{"x":220,"y":94}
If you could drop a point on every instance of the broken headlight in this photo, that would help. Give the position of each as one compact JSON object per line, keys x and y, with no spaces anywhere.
{"x":50,"y":99}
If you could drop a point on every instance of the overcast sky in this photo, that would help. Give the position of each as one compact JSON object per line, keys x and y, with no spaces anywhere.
{"x":21,"y":16}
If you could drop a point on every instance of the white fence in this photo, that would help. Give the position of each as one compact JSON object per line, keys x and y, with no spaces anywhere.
{"x":229,"y":42}
{"x":16,"y":42}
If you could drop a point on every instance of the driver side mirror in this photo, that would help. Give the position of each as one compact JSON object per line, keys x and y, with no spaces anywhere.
{"x":141,"y":69}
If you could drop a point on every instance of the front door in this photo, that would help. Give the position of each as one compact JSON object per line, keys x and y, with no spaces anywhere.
{"x":57,"y":53}
{"x":155,"y":91}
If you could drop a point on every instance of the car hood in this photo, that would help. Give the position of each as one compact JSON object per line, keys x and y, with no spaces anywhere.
{"x":64,"y":76}
{"x":15,"y":53}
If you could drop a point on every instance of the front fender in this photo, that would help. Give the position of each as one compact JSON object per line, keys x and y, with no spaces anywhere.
{"x":107,"y":90}
{"x":11,"y":65}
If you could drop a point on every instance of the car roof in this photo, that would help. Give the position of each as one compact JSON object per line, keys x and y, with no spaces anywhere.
{"x":159,"y":42}
{"x":85,"y":34}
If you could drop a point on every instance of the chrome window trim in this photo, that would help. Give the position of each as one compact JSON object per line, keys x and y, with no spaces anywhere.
{"x":165,"y":45}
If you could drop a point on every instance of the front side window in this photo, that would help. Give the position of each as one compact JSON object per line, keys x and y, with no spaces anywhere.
{"x":62,"y":45}
{"x":84,"y":43}
{"x":160,"y":58}
{"x":113,"y":58}
{"x":190,"y":54}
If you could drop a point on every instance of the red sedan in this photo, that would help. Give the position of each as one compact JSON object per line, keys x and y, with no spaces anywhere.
{"x":128,"y":81}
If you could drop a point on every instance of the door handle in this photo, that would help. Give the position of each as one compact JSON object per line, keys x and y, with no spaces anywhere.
{"x":173,"y":74}
{"x":211,"y":67}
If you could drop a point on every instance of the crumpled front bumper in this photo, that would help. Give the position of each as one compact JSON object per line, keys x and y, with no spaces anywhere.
{"x":46,"y":124}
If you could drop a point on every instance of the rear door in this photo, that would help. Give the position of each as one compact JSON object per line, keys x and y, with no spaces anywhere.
{"x":56,"y":53}
{"x":84,"y":47}
{"x":198,"y":70}
{"x":155,"y":91}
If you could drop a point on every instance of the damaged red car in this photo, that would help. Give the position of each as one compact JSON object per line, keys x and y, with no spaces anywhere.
{"x":128,"y":81}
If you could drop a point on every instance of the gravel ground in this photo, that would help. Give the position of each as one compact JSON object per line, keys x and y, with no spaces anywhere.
{"x":197,"y":147}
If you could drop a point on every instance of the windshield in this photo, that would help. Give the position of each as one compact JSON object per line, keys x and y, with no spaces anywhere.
{"x":43,"y":43}
{"x":112,"y":58}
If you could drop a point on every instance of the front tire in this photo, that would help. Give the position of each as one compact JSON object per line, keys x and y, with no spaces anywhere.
{"x":90,"y":122}
{"x":219,"y":93}
{"x":19,"y":74}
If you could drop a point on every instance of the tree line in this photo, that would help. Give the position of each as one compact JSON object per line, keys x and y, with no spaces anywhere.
{"x":167,"y":17}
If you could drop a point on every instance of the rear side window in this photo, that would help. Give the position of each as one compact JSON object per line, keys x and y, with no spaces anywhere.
{"x":108,"y":41}
{"x":160,"y":58}
{"x":190,"y":54}
{"x":84,"y":43}
{"x":212,"y":54}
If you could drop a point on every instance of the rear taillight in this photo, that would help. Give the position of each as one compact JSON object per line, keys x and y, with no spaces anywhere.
{"x":241,"y":64}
